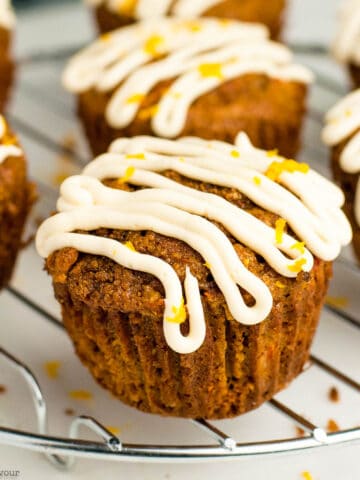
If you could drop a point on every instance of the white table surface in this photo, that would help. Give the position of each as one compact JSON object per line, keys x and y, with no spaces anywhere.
{"x":25,"y":333}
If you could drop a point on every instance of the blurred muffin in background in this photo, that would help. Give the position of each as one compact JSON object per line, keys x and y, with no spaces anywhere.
{"x":170,"y":78}
{"x":16,"y":198}
{"x":342,"y":133}
{"x":112,"y":14}
{"x":347,"y":42}
{"x":7,"y":22}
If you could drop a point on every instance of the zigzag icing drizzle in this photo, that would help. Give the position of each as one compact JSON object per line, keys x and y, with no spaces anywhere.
{"x":306,"y":201}
{"x":142,"y":9}
{"x":7,"y":16}
{"x":346,"y":45}
{"x":342,"y":121}
{"x":7,"y":150}
{"x":200,"y":54}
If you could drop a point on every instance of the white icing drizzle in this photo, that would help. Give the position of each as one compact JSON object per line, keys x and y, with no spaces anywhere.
{"x":7,"y":16}
{"x":343,"y":121}
{"x":346,"y":45}
{"x":309,"y":203}
{"x":199,"y":54}
{"x":7,"y":151}
{"x":143,"y":9}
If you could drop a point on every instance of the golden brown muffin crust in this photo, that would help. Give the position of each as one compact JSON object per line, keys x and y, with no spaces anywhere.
{"x":114,"y":316}
{"x":269,"y":110}
{"x":6,"y":67}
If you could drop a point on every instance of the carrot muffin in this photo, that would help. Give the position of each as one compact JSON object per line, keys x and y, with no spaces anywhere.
{"x":174,"y":78}
{"x":112,"y":14}
{"x":347,"y":42}
{"x":342,"y":133}
{"x":191,"y":273}
{"x":7,"y":21}
{"x":16,"y":197}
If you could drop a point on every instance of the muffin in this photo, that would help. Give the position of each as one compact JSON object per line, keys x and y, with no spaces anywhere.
{"x":346,"y":46}
{"x":190,"y":273}
{"x":112,"y":14}
{"x":16,"y":197}
{"x":342,"y":134}
{"x":7,"y":21}
{"x":174,"y":78}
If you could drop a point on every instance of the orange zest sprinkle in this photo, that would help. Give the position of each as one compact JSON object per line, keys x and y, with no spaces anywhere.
{"x":257,"y":180}
{"x":135,"y":98}
{"x":275,"y":169}
{"x":52,"y":369}
{"x":129,"y":172}
{"x":272,"y":153}
{"x":80,"y":395}
{"x":300,"y":246}
{"x":332,"y":426}
{"x":113,"y":430}
{"x":280,"y":225}
{"x":135,"y":156}
{"x":297,"y":266}
{"x":207,"y":265}
{"x":179,"y":314}
{"x":193,"y":25}
{"x":279,"y":284}
{"x":154,"y":45}
{"x":307,"y":476}
{"x":127,"y":6}
{"x":235,"y":153}
{"x":337,"y":302}
{"x":148,"y":112}
{"x":105,"y":37}
{"x":211,"y":70}
{"x":130,"y":246}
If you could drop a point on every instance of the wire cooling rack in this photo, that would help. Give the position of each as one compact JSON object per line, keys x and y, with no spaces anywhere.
{"x":294,"y":421}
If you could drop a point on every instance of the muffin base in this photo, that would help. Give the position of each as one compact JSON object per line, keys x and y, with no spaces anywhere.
{"x":7,"y":68}
{"x":348,"y":183}
{"x":269,"y":110}
{"x":259,"y":11}
{"x":114,"y":317}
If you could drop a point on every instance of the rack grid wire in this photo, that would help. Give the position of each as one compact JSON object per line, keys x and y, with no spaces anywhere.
{"x":43,"y":115}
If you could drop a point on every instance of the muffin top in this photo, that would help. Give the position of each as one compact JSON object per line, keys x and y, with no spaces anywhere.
{"x":346,"y":45}
{"x":143,"y":9}
{"x":8,"y":143}
{"x":130,"y":188}
{"x":7,"y":16}
{"x":196,"y":55}
{"x":343,"y":126}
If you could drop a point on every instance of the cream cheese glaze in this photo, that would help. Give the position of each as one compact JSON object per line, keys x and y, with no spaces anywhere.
{"x":199,"y":55}
{"x":7,"y":150}
{"x":342,"y":122}
{"x":7,"y":16}
{"x":308,"y":203}
{"x":346,"y":46}
{"x":142,"y":9}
